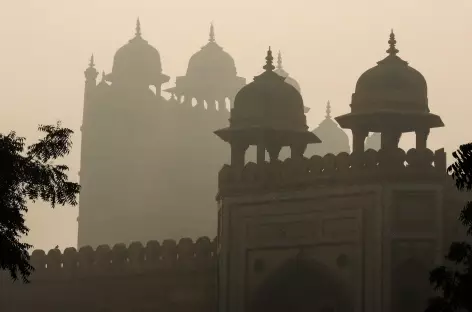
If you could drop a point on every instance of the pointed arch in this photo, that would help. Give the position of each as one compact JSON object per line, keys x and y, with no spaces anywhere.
{"x":302,"y":285}
{"x":410,"y":286}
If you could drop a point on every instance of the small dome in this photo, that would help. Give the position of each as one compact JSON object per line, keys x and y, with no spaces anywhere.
{"x":334,"y":139}
{"x":269,"y":102}
{"x":103,"y":83}
{"x":281,"y":72}
{"x":138,"y":61}
{"x":392,"y":85}
{"x":211,"y":61}
{"x":329,"y":129}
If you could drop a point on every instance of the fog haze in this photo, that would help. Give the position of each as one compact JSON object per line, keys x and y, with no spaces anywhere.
{"x":326,"y":46}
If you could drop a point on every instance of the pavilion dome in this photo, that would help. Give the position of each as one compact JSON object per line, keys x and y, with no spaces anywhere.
{"x":138,"y":61}
{"x":211,"y":61}
{"x":269,"y":102}
{"x":392,"y":85}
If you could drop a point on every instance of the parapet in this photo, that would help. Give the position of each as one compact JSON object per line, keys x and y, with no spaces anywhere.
{"x":170,"y":256}
{"x":370,"y":166}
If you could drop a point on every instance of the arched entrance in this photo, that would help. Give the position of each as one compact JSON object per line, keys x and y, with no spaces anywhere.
{"x":410,"y":286}
{"x":302,"y":285}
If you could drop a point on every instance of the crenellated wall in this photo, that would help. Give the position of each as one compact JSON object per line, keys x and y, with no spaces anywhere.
{"x":369,"y":166}
{"x":167,"y":276}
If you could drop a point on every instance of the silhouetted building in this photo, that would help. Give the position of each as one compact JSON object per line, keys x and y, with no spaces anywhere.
{"x":133,"y":141}
{"x":141,"y":153}
{"x":342,"y":232}
{"x":346,"y":232}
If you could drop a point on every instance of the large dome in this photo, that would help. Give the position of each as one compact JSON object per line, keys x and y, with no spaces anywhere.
{"x":392,"y":85}
{"x":137,"y":61}
{"x":269,"y":102}
{"x":211,"y":61}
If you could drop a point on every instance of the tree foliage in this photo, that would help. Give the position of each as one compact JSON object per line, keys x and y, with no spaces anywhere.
{"x":29,"y":173}
{"x":454,"y":282}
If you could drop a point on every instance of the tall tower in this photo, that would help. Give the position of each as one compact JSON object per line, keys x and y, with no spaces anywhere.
{"x":86,"y":172}
{"x":119,"y":147}
{"x":267,"y":113}
{"x":193,"y":154}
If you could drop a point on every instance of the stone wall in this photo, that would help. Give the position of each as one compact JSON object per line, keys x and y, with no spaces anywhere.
{"x":157,"y":277}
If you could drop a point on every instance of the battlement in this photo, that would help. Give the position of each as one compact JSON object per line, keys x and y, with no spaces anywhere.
{"x":170,"y":256}
{"x":369,"y":166}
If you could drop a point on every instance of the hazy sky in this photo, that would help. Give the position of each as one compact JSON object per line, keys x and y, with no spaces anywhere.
{"x":326,"y":45}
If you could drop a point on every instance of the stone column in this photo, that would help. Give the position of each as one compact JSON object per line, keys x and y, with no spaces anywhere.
{"x":390,"y":139}
{"x":422,"y":138}
{"x":222,"y":104}
{"x":297,"y":150}
{"x":274,"y":152}
{"x":261,"y":153}
{"x":358,"y":140}
{"x":238,"y":153}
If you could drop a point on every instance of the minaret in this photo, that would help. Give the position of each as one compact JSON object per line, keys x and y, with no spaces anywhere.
{"x":90,"y":85}
{"x":90,"y":78}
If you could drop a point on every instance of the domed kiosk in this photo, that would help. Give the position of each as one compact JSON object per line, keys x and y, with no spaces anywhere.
{"x":137,"y":64}
{"x":211,"y":77}
{"x":268,"y":113}
{"x":390,"y":98}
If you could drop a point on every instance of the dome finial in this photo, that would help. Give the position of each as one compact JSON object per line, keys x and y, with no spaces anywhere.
{"x":92,"y":62}
{"x":279,"y":61}
{"x":269,"y":66}
{"x":212,"y":33}
{"x":328,"y":110}
{"x":392,"y":50}
{"x":138,"y":28}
